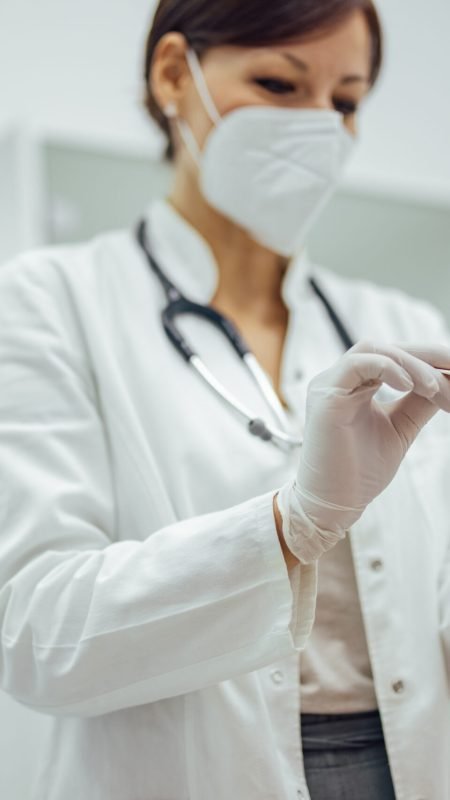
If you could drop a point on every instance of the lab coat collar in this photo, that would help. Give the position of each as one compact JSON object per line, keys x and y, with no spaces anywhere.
{"x":189,"y":262}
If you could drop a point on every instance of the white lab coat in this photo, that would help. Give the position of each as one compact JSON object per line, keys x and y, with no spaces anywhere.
{"x":144,"y":599}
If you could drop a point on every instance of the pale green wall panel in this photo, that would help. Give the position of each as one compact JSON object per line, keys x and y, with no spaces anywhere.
{"x":392,"y":242}
{"x":387,"y":240}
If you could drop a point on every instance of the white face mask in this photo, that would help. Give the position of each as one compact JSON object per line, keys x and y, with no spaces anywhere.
{"x":270,"y":170}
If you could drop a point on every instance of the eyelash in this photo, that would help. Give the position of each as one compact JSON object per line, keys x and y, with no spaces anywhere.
{"x":275,"y":86}
{"x":346,"y":107}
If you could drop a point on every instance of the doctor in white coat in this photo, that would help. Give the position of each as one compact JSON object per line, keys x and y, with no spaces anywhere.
{"x":206,"y":608}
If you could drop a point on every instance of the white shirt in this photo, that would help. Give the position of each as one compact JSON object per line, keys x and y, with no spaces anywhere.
{"x":144,"y":599}
{"x":335,"y":670}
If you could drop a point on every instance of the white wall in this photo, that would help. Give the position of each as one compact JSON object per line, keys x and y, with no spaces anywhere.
{"x":10,"y":232}
{"x":406,"y":126}
{"x":76,"y":66}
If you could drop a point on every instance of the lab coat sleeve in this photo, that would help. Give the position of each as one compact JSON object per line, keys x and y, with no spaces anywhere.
{"x":444,"y":596}
{"x":444,"y":556}
{"x":90,"y":624}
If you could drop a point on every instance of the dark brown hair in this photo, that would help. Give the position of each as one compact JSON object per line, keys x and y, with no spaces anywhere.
{"x":251,"y":23}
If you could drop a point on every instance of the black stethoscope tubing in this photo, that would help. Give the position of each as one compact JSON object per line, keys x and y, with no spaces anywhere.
{"x":178,"y":304}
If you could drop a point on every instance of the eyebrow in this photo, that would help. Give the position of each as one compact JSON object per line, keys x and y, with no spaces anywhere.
{"x":297,"y":62}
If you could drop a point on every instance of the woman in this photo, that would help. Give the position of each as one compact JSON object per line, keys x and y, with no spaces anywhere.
{"x":158,"y":563}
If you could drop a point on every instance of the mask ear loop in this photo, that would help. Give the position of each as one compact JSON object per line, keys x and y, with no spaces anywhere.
{"x":202,"y":86}
{"x":189,"y":141}
{"x":188,"y":138}
{"x":171,"y":112}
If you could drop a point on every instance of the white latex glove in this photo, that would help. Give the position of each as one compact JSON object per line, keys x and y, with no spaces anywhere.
{"x":354,"y":445}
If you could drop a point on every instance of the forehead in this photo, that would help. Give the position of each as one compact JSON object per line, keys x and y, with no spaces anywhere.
{"x":346,"y":49}
{"x":349,"y":44}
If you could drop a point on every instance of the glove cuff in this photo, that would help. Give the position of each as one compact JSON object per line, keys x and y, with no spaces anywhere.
{"x":304,"y":539}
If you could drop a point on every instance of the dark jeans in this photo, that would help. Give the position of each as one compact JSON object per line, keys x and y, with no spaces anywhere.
{"x":345,"y":757}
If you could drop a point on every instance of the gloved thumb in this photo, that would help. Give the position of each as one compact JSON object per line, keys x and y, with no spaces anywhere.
{"x":410,"y":414}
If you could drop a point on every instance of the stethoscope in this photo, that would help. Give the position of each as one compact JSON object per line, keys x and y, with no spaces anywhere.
{"x":178,"y":304}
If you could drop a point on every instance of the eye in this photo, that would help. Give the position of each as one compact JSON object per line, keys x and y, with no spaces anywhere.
{"x":345,"y":107}
{"x":275,"y":85}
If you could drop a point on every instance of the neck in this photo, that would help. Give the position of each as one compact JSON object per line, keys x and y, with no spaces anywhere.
{"x":250,"y":276}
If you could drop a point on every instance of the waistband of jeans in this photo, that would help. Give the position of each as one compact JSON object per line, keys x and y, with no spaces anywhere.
{"x":339,"y":731}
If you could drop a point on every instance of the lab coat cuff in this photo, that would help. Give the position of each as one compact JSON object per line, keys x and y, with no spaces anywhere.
{"x":300,"y":582}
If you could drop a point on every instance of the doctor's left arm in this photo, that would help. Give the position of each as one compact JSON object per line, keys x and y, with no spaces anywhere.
{"x":88,"y":624}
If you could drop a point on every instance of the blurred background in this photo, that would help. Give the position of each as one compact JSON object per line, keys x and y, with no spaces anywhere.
{"x":78,"y":155}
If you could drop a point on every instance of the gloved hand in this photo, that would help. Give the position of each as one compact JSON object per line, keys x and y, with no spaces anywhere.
{"x":353,"y":444}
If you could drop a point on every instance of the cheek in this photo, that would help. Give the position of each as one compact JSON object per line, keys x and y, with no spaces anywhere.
{"x":225,"y":99}
{"x":230,"y":91}
{"x":238,"y":96}
{"x":201,"y":126}
{"x":193,"y":112}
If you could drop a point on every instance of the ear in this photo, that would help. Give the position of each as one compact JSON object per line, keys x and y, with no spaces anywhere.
{"x":170,"y":75}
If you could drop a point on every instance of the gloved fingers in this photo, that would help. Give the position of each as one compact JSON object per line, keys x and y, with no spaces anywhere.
{"x":410,"y":414}
{"x":427,"y":381}
{"x":442,"y":398}
{"x":439,"y":357}
{"x":356,"y":371}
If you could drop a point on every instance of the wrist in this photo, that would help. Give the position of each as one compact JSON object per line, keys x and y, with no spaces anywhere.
{"x":304,"y":538}
{"x":289,"y":557}
{"x":323,"y":515}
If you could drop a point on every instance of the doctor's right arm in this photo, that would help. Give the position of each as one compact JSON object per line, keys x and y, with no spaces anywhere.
{"x":90,"y":624}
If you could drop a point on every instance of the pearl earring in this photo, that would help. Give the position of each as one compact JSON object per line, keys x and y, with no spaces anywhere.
{"x":170,"y":110}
